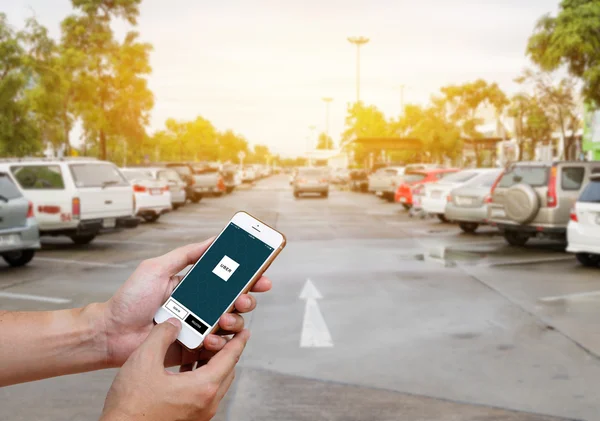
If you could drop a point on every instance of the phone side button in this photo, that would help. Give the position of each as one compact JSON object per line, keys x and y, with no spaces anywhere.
{"x":176,"y":310}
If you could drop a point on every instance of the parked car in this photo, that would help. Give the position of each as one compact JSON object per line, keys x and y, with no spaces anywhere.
{"x":208,"y":180}
{"x":177,"y":186}
{"x":436,"y":195}
{"x":249,"y":174}
{"x":231,"y":176}
{"x":535,"y":199}
{"x":359,"y":181}
{"x":311,"y":180}
{"x":152,"y":196}
{"x":340,"y":176}
{"x":583,"y":230}
{"x":468,"y":204}
{"x":74,"y":197}
{"x":385,"y":181}
{"x":19,"y":232}
{"x":186,"y":173}
{"x":418,"y":178}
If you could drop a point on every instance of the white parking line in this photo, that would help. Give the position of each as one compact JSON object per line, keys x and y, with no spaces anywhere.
{"x":530,"y":261}
{"x":81,"y":262}
{"x":572,"y":297}
{"x":29,"y":297}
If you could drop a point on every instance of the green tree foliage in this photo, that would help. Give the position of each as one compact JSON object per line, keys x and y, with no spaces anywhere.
{"x":112,"y":96}
{"x":260,"y":155}
{"x":571,"y":38}
{"x":364,"y":121}
{"x":19,"y":134}
{"x":533,"y":124}
{"x":325,"y":142}
{"x":230,"y":145}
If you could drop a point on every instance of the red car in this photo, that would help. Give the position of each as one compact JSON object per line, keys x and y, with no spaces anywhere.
{"x":414,"y":178}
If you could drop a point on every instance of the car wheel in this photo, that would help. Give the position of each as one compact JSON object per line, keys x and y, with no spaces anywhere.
{"x":442,"y":218}
{"x":151,"y":217}
{"x":406,"y":206}
{"x":230,"y":190}
{"x":325,"y":195}
{"x":468,"y":227}
{"x":82,"y":239}
{"x":196,"y":198}
{"x":296,"y":194}
{"x":588,"y":259}
{"x":176,"y":206}
{"x":18,"y":258}
{"x":218,"y":194}
{"x":515,"y":238}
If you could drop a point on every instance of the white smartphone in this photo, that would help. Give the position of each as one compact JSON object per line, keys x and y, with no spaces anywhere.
{"x":237,"y":258}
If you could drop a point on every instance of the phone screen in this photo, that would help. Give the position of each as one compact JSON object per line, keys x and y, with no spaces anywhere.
{"x":212,"y":285}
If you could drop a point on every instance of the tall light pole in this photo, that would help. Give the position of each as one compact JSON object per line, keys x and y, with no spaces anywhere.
{"x":358,"y":41}
{"x":327,"y":101}
{"x":402,"y":98}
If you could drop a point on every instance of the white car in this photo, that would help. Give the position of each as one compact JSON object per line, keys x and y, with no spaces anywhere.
{"x":152,"y":197}
{"x":435,"y":195}
{"x":77,"y":198}
{"x":176,"y":184}
{"x":583,"y":231}
{"x":248,"y":174}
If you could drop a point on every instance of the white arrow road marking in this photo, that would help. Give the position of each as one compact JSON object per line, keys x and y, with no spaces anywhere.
{"x":29,"y":297}
{"x":315,"y":333}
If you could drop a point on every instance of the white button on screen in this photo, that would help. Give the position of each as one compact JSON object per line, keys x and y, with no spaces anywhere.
{"x":176,"y":310}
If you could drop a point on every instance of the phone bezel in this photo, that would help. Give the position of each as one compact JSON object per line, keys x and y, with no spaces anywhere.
{"x":189,"y":337}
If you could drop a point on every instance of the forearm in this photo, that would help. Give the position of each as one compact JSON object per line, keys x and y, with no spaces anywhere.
{"x":38,"y":345}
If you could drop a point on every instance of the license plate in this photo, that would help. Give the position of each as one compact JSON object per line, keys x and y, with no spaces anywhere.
{"x":155,"y":191}
{"x":403,"y":200}
{"x":378,"y":193}
{"x":464,"y":201}
{"x":9,"y":240}
{"x":109,"y":223}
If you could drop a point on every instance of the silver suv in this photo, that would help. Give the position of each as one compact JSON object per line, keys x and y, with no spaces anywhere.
{"x":534,"y":199}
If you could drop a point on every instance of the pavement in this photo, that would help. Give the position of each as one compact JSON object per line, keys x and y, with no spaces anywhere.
{"x":373,"y":316}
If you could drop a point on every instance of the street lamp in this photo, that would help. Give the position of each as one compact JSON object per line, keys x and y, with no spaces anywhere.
{"x":358,"y":41}
{"x":327,"y":101}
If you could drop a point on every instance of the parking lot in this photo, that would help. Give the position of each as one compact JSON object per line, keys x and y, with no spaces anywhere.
{"x":373,"y":315}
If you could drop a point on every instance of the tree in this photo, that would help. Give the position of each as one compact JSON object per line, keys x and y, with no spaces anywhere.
{"x":464,"y":102}
{"x":557,"y":96}
{"x":230,"y":145}
{"x":325,"y":142}
{"x":364,"y":121}
{"x":533,"y":124}
{"x":571,"y":38}
{"x":19,"y":134}
{"x":261,"y":154}
{"x":112,"y":97}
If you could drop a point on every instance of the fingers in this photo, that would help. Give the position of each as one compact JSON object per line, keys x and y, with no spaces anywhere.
{"x":216,"y":343}
{"x":262,"y":285}
{"x":176,"y":260}
{"x":160,"y":339}
{"x":219,"y":367}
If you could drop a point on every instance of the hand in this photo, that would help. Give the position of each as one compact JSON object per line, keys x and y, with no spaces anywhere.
{"x":144,"y":390}
{"x":128,"y":315}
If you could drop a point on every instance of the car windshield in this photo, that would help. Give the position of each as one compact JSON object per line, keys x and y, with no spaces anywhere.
{"x":38,"y":177}
{"x":535,"y":176}
{"x":169,"y":175}
{"x":8,"y":190}
{"x":97,"y":175}
{"x":460,"y":177}
{"x":413,"y":177}
{"x":181,"y":169}
{"x":137,"y":175}
{"x":591,"y":193}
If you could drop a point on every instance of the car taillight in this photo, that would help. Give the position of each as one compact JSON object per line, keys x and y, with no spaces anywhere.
{"x":221,"y":184}
{"x":165,"y":189}
{"x":551,"y":199}
{"x":139,"y":189}
{"x":30,"y":211}
{"x":490,"y":197}
{"x":50,"y":209}
{"x":323,"y":180}
{"x":449,"y":198}
{"x":573,"y":215}
{"x":76,"y":208}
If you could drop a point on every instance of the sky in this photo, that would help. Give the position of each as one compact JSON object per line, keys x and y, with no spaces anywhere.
{"x":262,"y":67}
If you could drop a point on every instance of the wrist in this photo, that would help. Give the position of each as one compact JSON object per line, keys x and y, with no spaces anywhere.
{"x":93,"y":316}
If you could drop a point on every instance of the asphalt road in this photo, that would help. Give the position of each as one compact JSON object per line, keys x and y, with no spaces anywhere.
{"x":408,"y":319}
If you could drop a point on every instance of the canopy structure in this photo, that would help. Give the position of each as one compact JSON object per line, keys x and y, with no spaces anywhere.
{"x":389,"y":143}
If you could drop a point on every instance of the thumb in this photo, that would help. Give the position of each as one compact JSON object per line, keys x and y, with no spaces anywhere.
{"x":160,"y":339}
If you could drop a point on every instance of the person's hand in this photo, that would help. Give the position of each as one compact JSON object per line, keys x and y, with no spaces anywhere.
{"x":144,"y":390}
{"x":128,"y":315}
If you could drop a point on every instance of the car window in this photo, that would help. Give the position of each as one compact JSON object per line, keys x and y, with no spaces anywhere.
{"x":39,"y":177}
{"x":444,"y":175}
{"x":97,"y":175}
{"x":591,"y":192}
{"x":137,"y":175}
{"x":391,"y":172}
{"x":534,"y":176}
{"x":413,"y":178}
{"x":181,"y":169}
{"x":168,"y":175}
{"x":571,"y":178}
{"x":8,"y":190}
{"x":485,"y":180}
{"x":459,"y":177}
